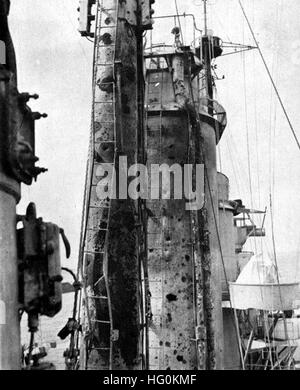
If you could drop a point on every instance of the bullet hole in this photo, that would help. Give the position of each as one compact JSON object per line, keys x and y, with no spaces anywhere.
{"x":179,"y":219}
{"x":171,"y":297}
{"x":106,"y":38}
{"x":168,"y":369}
{"x":103,"y":225}
{"x":168,"y":238}
{"x":183,"y":279}
{"x":161,"y":343}
{"x":180,"y":358}
{"x":108,"y":20}
{"x":169,"y":317}
{"x":168,"y":344}
{"x":151,"y":250}
{"x":187,"y":258}
{"x":175,"y":352}
{"x":106,"y":84}
{"x":171,"y":146}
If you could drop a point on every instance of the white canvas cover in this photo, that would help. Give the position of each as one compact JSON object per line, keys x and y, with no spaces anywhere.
{"x":259,"y":270}
{"x":257,"y":288}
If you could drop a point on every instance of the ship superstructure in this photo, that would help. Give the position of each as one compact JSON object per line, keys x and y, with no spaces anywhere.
{"x":153,"y":267}
{"x":164,"y":280}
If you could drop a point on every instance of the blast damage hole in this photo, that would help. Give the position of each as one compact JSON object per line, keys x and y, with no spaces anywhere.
{"x":171,"y":298}
{"x":106,"y":38}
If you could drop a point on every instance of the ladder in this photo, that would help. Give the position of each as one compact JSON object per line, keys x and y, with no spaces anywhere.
{"x":103,"y":139}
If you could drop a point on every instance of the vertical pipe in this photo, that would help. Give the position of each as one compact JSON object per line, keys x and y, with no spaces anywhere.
{"x":10,"y":354}
{"x":205,"y":16}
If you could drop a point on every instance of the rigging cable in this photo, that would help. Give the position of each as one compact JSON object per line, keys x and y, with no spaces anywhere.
{"x":271,"y":77}
{"x":298,"y":144}
{"x":247,"y":125}
{"x":179,"y":23}
{"x":256,"y":126}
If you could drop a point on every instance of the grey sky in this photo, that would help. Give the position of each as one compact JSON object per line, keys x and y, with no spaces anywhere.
{"x":54,"y":61}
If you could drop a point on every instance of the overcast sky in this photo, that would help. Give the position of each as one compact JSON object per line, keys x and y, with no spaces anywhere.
{"x":55,"y":62}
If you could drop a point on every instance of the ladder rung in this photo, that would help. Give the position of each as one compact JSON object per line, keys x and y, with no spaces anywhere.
{"x":101,"y":322}
{"x":101,"y":142}
{"x":105,"y":102}
{"x":110,"y":26}
{"x":97,"y":230}
{"x":107,"y":142}
{"x":105,"y":10}
{"x":112,"y":44}
{"x":106,"y":122}
{"x":94,"y":253}
{"x":97,"y":297}
{"x":98,"y":207}
{"x":99,"y":349}
{"x":106,"y":64}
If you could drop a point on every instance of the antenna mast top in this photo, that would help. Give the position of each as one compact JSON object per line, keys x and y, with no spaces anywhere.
{"x":205,"y":16}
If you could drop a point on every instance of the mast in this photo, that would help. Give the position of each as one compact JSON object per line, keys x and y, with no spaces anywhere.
{"x":207,"y":57}
{"x":205,"y":16}
{"x":9,"y":195}
{"x":17,"y":165}
{"x":184,"y":250}
{"x":211,"y":130}
{"x":110,"y":254}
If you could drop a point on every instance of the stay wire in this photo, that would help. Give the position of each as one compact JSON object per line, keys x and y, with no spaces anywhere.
{"x":271,"y":78}
{"x":179,"y":22}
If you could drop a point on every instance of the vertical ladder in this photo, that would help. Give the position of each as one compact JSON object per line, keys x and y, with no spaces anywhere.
{"x":98,"y":212}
